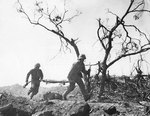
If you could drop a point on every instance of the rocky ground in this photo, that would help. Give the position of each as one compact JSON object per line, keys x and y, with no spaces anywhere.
{"x":51,"y":104}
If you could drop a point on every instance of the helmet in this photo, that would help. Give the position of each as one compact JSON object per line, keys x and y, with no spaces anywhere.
{"x":37,"y":65}
{"x":82,"y":56}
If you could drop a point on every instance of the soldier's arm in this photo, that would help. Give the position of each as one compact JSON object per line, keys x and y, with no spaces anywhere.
{"x":28,"y":76}
{"x":86,"y":72}
{"x":41,"y":74}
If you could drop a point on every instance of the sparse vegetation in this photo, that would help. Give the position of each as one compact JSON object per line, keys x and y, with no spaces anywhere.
{"x":126,"y":98}
{"x":126,"y":95}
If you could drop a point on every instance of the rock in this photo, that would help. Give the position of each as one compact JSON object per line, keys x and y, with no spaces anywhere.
{"x":111,"y":110}
{"x":51,"y":96}
{"x":65,"y":108}
{"x":14,"y":106}
{"x":49,"y":102}
{"x":83,"y":110}
{"x":6,"y":107}
{"x":126,"y":105}
{"x":45,"y":113}
{"x":147,"y":110}
{"x":15,"y":112}
{"x":1,"y":95}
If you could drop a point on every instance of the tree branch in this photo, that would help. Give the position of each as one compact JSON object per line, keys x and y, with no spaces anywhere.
{"x":129,"y":54}
{"x":57,"y":21}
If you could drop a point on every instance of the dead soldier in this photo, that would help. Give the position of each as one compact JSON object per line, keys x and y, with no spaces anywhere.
{"x":75,"y":76}
{"x":36,"y":77}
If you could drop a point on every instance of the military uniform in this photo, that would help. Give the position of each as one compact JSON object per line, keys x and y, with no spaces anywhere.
{"x":75,"y":76}
{"x":36,"y":76}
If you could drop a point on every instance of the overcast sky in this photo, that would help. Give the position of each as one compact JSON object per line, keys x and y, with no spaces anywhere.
{"x":22,"y":44}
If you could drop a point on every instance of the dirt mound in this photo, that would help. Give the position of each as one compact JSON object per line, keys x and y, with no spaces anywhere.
{"x":53,"y":105}
{"x":51,"y":96}
{"x":15,"y":106}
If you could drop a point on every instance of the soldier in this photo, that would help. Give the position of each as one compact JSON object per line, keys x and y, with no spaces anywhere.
{"x":75,"y":76}
{"x":36,"y":77}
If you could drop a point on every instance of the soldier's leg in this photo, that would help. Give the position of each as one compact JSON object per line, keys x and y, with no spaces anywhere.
{"x":69,"y":89}
{"x":35,"y":89}
{"x":37,"y":85}
{"x":34,"y":92}
{"x":82,"y":88}
{"x":31,"y":88}
{"x":29,"y":91}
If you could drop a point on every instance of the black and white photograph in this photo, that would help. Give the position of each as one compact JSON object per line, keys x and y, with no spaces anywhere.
{"x":74,"y":57}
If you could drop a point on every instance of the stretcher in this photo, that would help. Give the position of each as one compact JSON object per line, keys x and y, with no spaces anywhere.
{"x":49,"y":81}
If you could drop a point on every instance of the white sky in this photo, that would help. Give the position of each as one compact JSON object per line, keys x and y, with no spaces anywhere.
{"x":22,"y":44}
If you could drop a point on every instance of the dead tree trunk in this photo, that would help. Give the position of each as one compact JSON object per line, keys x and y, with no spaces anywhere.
{"x":102,"y":84}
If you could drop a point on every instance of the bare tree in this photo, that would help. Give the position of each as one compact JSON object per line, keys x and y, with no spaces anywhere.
{"x":127,"y":37}
{"x":43,"y":14}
